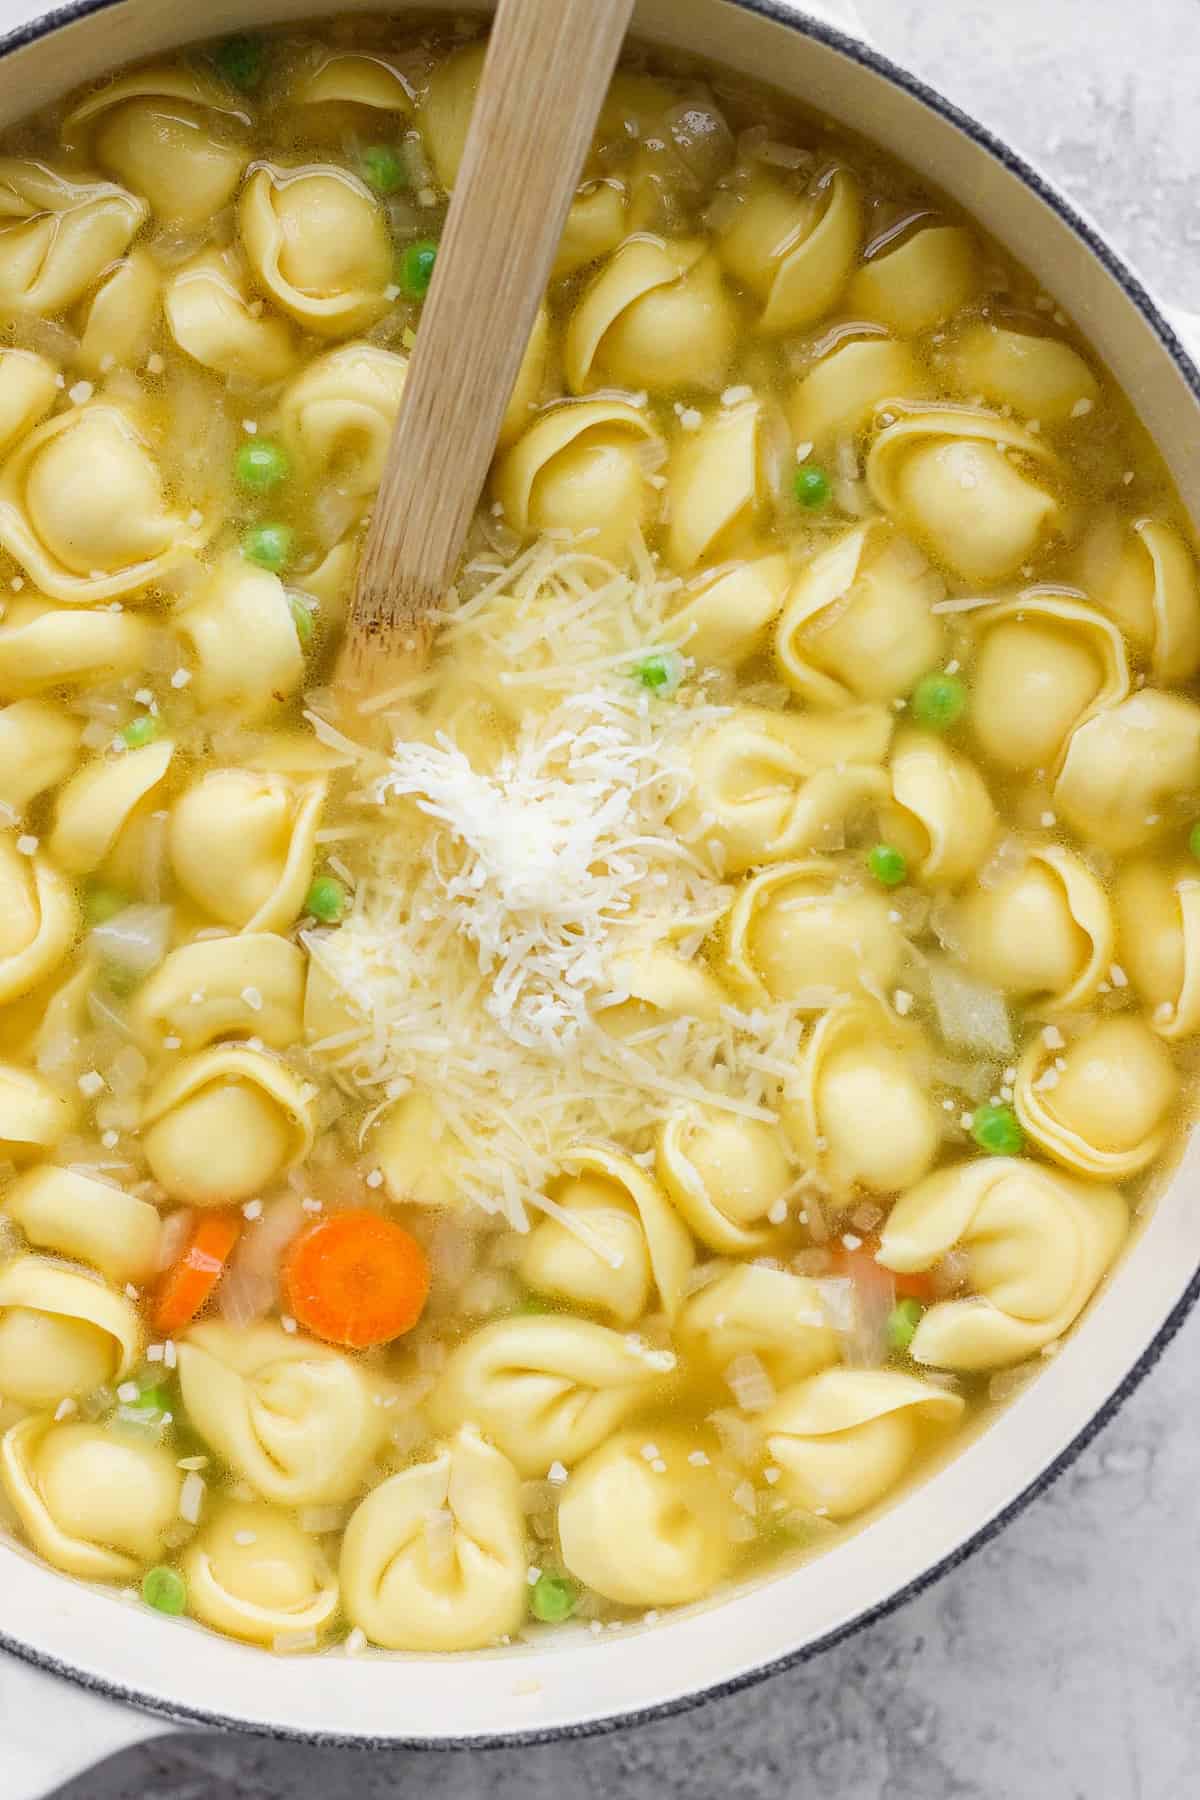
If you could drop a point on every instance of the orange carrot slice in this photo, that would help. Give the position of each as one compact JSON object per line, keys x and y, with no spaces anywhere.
{"x":860,"y":1266}
{"x":188,"y":1284}
{"x":356,"y":1279}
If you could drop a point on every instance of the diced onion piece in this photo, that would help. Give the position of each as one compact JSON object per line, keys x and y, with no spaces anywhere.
{"x":135,"y":938}
{"x":971,"y":1016}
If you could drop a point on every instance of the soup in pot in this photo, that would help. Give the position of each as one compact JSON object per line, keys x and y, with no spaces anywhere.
{"x":616,"y":1129}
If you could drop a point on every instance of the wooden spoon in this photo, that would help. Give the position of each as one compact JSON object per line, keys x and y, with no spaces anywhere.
{"x":548,"y":66}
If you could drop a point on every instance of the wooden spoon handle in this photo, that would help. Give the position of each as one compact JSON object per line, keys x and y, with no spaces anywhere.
{"x":548,"y":66}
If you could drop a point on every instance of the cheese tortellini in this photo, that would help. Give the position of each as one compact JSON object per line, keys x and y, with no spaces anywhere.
{"x":293,"y":1418}
{"x":646,"y":1531}
{"x":251,"y":985}
{"x":253,"y":1573}
{"x":83,"y":510}
{"x":725,"y":1174}
{"x":976,"y":489}
{"x":845,"y":1437}
{"x":317,"y":243}
{"x":169,"y":135}
{"x":1044,"y":665}
{"x":858,"y":624}
{"x":1100,"y":1106}
{"x":1043,"y":932}
{"x":93,"y":1502}
{"x":63,"y":1332}
{"x":856,"y":1065}
{"x":808,"y":931}
{"x":28,"y":390}
{"x":849,"y":377}
{"x":767,"y":1313}
{"x":244,"y":640}
{"x":941,"y":814}
{"x":337,"y":416}
{"x":39,"y":746}
{"x":770,"y":785}
{"x":1126,"y":767}
{"x":723,"y":614}
{"x":545,"y":1390}
{"x":794,"y":251}
{"x":580,"y":468}
{"x":38,"y":919}
{"x":214,"y":319}
{"x":719,"y":483}
{"x":434,"y":1558}
{"x":1041,"y":378}
{"x":1157,"y":911}
{"x":102,"y":800}
{"x":242,"y":846}
{"x":58,"y":235}
{"x":1143,"y":575}
{"x":1036,"y":1242}
{"x":44,"y":647}
{"x":87,"y":1220}
{"x":219,"y":1126}
{"x":916,"y":279}
{"x":656,"y":316}
{"x":612,"y":1240}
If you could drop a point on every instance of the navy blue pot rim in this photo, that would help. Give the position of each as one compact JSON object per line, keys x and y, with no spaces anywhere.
{"x":869,"y":58}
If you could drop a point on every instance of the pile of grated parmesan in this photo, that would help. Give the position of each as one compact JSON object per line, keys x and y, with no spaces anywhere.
{"x":490,"y":901}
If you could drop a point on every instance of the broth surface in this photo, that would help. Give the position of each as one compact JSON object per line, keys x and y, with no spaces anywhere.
{"x":612,"y":1132}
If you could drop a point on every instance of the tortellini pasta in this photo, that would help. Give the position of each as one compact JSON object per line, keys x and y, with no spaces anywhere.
{"x":848,"y":379}
{"x":657,"y":316}
{"x":349,"y":90}
{"x":39,"y":746}
{"x":93,"y":1502}
{"x":767,"y":1313}
{"x":45,"y":647}
{"x":101,"y":800}
{"x":416,"y":1152}
{"x":58,"y":236}
{"x":1044,"y":665}
{"x":446,"y":111}
{"x":1125,"y":766}
{"x":769,"y":785}
{"x":1143,"y":575}
{"x":317,"y":244}
{"x":34,"y":1114}
{"x":87,"y":1220}
{"x":1102,"y":1105}
{"x":845,"y":1437}
{"x":719,"y":483}
{"x":337,"y":416}
{"x":38,"y":919}
{"x":171,"y":136}
{"x":1036,"y":1242}
{"x":595,"y":225}
{"x":28,"y":390}
{"x":978,"y":490}
{"x":612,"y":1240}
{"x":1157,"y":911}
{"x":214,"y":319}
{"x":1041,"y":378}
{"x":122,"y":315}
{"x":292,"y":1417}
{"x":725,"y":1175}
{"x":253,"y":1573}
{"x":723,"y":614}
{"x":941,"y":814}
{"x":794,"y":251}
{"x":221,"y":1125}
{"x":434,"y":1558}
{"x":858,"y":624}
{"x":579,"y":468}
{"x":545,"y":1390}
{"x":809,"y":931}
{"x":251,"y":985}
{"x":244,"y":640}
{"x":82,"y":508}
{"x":62,"y":1332}
{"x":661,"y":985}
{"x":856,"y":1065}
{"x":1043,"y":932}
{"x":646,"y":1532}
{"x":242,"y":846}
{"x":915,"y":279}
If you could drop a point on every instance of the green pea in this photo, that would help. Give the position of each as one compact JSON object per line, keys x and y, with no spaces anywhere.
{"x":1194,"y":840}
{"x":302,"y":619}
{"x":261,"y":465}
{"x":326,"y":900}
{"x":902,"y":1323}
{"x":384,"y":169}
{"x":164,"y":1590}
{"x":553,"y":1598}
{"x":997,"y":1130}
{"x":661,"y":671}
{"x":242,"y":60}
{"x":140,"y":731}
{"x":811,"y":487}
{"x":102,"y":903}
{"x":270,"y":546}
{"x":938,"y":700}
{"x":415,"y":270}
{"x":887,"y":865}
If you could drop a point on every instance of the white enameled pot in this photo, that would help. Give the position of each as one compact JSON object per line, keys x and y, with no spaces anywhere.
{"x":121,"y":1657}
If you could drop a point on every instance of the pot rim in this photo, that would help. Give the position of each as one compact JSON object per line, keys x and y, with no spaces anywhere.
{"x":854,"y":49}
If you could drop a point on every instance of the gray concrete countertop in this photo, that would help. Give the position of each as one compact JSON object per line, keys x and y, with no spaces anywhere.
{"x":1062,"y":1662}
